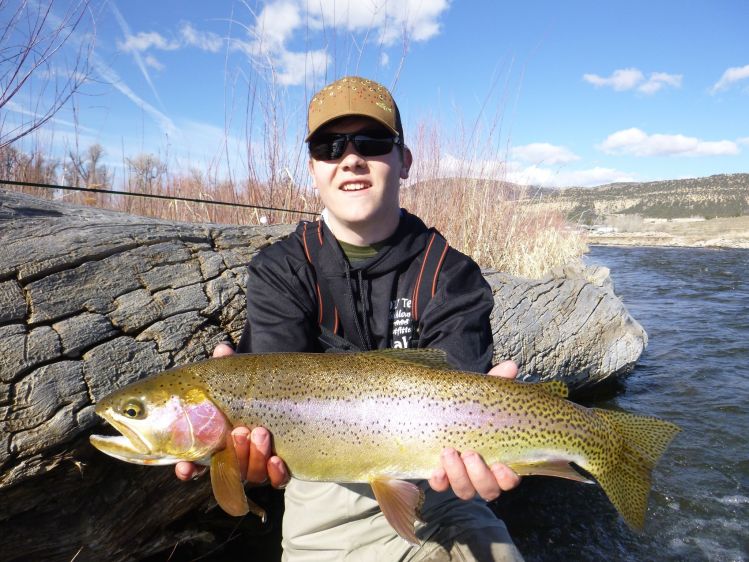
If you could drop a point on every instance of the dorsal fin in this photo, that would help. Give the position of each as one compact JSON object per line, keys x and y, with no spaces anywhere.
{"x":432,"y":358}
{"x":556,"y":388}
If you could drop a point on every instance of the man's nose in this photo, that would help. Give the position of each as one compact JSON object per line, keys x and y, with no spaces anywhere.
{"x":351,"y":158}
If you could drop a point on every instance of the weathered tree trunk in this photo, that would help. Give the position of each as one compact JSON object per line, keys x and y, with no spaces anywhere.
{"x":91,"y":300}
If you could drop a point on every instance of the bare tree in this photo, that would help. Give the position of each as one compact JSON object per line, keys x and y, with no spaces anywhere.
{"x":32,"y":41}
{"x":87,"y":170}
{"x":147,"y":170}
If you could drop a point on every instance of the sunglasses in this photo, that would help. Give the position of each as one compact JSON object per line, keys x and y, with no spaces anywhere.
{"x":332,"y":146}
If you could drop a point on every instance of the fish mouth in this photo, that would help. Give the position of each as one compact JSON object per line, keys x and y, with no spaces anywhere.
{"x":129,"y":446}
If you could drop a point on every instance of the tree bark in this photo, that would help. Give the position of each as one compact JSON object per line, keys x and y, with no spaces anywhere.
{"x":91,"y":300}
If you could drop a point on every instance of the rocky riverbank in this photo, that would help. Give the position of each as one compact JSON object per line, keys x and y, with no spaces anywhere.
{"x":728,"y":232}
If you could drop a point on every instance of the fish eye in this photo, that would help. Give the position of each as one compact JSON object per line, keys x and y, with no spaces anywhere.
{"x":134,"y":409}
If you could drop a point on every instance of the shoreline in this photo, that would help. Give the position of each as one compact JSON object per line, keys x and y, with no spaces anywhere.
{"x":719,"y":233}
{"x":631,"y":241}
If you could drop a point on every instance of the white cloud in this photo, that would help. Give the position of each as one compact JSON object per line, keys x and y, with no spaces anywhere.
{"x":188,"y":36}
{"x":153,"y":62}
{"x":624,"y":79}
{"x":135,"y":45}
{"x":419,"y":19}
{"x":281,"y":22}
{"x":275,"y":25}
{"x":203,"y":40}
{"x":386,"y":21}
{"x":146,"y":40}
{"x":730,"y":76}
{"x":658,"y":80}
{"x":633,"y":78}
{"x":516,"y":172}
{"x":294,"y":67}
{"x":744,"y":141}
{"x":541,"y":152}
{"x":636,"y":142}
{"x":549,"y":177}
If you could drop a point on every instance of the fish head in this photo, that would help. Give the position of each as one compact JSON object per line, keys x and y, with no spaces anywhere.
{"x":161,"y":422}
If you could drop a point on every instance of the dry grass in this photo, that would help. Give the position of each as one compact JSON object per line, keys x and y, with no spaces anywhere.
{"x":482,"y":218}
{"x":495,"y":222}
{"x":490,"y":220}
{"x":486,"y":220}
{"x":36,"y":168}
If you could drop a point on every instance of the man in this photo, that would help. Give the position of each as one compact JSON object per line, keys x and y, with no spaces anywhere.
{"x":363,"y":261}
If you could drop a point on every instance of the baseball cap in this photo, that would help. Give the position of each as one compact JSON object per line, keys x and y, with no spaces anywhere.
{"x":353,"y":95}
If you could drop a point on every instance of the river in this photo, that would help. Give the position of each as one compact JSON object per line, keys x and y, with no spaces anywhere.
{"x":694,"y":305}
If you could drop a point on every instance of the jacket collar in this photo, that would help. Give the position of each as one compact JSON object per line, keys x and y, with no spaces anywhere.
{"x":408,"y":241}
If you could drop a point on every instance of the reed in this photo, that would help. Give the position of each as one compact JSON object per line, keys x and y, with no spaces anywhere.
{"x":499,"y":224}
{"x":457,"y":185}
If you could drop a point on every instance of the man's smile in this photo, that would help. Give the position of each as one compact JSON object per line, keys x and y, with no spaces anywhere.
{"x":355,"y":186}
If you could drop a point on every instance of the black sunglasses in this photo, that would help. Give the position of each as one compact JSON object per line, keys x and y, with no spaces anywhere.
{"x":332,"y":146}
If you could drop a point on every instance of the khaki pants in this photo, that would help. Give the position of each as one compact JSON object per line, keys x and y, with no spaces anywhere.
{"x":328,"y":522}
{"x":458,"y":544}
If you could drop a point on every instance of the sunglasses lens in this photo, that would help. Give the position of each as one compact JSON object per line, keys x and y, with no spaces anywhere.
{"x":328,"y":148}
{"x":367,"y":146}
{"x":332,"y":147}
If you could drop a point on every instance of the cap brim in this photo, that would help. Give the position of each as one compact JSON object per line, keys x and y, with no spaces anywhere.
{"x":350,"y":114}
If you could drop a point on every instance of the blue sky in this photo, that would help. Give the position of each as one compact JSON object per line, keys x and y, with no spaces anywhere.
{"x":542,"y":92}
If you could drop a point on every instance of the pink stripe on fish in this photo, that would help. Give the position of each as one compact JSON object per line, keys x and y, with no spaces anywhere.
{"x":395,"y":414}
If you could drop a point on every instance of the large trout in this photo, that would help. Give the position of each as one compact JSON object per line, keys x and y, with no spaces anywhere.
{"x":381,"y":417}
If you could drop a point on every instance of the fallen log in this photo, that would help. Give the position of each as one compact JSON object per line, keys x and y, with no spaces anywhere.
{"x":92,"y":299}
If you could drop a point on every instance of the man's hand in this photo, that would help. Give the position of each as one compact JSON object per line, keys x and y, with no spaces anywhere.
{"x":467,"y":473}
{"x":254,"y":449}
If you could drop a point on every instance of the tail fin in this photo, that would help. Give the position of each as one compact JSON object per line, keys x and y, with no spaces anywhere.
{"x":626,"y":479}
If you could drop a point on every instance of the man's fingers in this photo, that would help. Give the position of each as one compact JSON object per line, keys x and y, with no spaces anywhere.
{"x":456,"y":472}
{"x":277,"y":472}
{"x":187,"y":470}
{"x":467,"y":474}
{"x":184,"y":470}
{"x":241,"y":437}
{"x":482,"y":478}
{"x":505,"y":476}
{"x":260,"y":452}
{"x":505,"y":369}
{"x":223,"y":350}
{"x":439,"y":481}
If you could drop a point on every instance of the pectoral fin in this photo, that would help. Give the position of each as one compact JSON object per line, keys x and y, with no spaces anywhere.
{"x":559,"y":467}
{"x":227,"y":484}
{"x":400,"y":502}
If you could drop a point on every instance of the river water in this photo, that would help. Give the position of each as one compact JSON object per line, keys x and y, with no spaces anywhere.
{"x":694,"y":305}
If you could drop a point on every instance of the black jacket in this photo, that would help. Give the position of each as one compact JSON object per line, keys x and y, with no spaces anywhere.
{"x":372,"y":298}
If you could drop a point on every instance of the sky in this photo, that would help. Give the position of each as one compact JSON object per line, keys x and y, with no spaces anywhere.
{"x":573,"y":93}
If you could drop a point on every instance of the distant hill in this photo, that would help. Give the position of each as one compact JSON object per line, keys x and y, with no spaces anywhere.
{"x":724,"y":195}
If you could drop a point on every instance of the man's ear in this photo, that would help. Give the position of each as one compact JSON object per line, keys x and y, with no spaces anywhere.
{"x":311,"y":172}
{"x":408,"y":159}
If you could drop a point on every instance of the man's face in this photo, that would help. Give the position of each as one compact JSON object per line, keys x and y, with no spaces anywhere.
{"x":360,"y":192}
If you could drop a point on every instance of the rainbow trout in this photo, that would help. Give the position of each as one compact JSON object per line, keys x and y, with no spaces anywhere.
{"x":380,"y":417}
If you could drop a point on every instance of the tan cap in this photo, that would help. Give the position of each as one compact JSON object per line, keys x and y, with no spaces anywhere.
{"x":353,"y":95}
